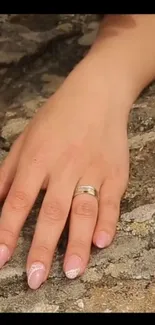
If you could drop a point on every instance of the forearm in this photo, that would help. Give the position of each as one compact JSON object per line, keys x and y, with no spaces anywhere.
{"x":120,"y":63}
{"x":125,"y":51}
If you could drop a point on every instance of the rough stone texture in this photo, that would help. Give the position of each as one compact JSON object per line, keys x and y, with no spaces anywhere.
{"x":120,"y":278}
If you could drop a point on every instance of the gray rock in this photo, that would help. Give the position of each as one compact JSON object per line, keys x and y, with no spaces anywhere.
{"x":88,"y":39}
{"x":121,"y":277}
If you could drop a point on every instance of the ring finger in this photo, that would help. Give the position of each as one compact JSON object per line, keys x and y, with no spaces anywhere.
{"x":84,"y":213}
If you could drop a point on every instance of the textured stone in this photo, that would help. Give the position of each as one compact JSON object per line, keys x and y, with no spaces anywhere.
{"x":3,"y":154}
{"x":14,"y":127}
{"x":139,"y":141}
{"x":140,"y":214}
{"x":80,"y":303}
{"x":87,"y":39}
{"x":94,"y":25}
{"x":120,"y":278}
{"x":53,"y":84}
{"x":18,"y":41}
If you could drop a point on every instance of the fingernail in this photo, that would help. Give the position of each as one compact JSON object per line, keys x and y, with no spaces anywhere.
{"x":73,"y":267}
{"x":4,"y":255}
{"x":103,"y":239}
{"x":36,"y":275}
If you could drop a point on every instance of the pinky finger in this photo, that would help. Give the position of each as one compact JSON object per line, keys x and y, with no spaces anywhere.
{"x":109,"y":209}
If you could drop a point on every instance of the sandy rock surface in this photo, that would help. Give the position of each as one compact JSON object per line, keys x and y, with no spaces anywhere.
{"x":36,"y":54}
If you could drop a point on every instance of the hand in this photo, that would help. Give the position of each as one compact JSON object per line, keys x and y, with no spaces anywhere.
{"x":78,"y":137}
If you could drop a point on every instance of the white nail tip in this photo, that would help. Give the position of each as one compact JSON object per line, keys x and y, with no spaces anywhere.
{"x":72,"y":274}
{"x":35,"y":267}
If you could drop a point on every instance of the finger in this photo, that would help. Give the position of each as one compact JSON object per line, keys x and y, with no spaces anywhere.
{"x":82,"y":223}
{"x":109,"y":209}
{"x":50,"y":224}
{"x":17,"y":206}
{"x":9,"y":166}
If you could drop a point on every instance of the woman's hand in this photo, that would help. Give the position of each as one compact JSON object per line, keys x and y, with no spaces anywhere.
{"x":79,"y":137}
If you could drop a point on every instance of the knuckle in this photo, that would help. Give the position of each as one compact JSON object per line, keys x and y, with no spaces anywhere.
{"x":119,"y":176}
{"x":41,"y":252}
{"x":41,"y":249}
{"x":7,"y":235}
{"x":85,"y":209}
{"x":53,"y":211}
{"x":34,"y":159}
{"x":37,"y":161}
{"x":18,"y":200}
{"x":111,"y":203}
{"x":78,"y":244}
{"x":72,"y":152}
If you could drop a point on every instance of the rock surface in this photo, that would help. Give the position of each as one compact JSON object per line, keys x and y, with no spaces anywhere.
{"x":36,"y":54}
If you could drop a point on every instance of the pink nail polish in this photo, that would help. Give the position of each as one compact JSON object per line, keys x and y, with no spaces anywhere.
{"x":36,"y":275}
{"x":4,"y":255}
{"x":73,"y":267}
{"x":103,"y":239}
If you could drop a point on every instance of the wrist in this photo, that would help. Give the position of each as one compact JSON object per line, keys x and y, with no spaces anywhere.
{"x":125,"y":48}
{"x":101,"y":87}
{"x":108,"y":82}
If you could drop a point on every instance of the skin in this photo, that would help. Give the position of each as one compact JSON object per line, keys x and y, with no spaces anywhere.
{"x":79,"y":137}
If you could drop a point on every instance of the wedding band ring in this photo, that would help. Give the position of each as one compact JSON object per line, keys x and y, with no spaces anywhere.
{"x":86,"y":189}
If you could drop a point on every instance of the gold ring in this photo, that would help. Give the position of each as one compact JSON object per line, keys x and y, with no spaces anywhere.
{"x":86,"y":189}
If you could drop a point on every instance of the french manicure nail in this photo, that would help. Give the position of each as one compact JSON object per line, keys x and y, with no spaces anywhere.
{"x":103,"y":239}
{"x":73,"y":267}
{"x":36,"y":275}
{"x":4,"y":255}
